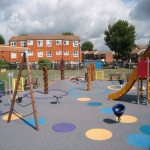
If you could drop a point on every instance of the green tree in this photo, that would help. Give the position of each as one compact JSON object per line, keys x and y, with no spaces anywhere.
{"x":44,"y":62}
{"x":2,"y":40}
{"x":3,"y":64}
{"x":23,"y":34}
{"x":87,"y":45}
{"x":120,"y":38}
{"x":67,"y":33}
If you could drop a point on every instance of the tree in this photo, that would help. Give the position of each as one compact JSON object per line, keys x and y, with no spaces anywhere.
{"x":87,"y":45}
{"x":23,"y":34}
{"x":2,"y":40}
{"x":44,"y":62}
{"x":120,"y":38}
{"x":67,"y":33}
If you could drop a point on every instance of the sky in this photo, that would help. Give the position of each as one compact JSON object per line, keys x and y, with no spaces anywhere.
{"x":87,"y":19}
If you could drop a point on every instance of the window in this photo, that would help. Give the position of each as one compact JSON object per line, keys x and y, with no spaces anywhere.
{"x":40,"y":54}
{"x":134,"y":55}
{"x":40,"y":43}
{"x":49,"y":53}
{"x":66,"y":53}
{"x":75,"y":53}
{"x":75,"y":43}
{"x":13,"y":55}
{"x":30,"y":42}
{"x":13,"y":43}
{"x":48,"y":43}
{"x":58,"y":52}
{"x":30,"y":53}
{"x":23,"y":43}
{"x":58,"y":42}
{"x":66,"y":42}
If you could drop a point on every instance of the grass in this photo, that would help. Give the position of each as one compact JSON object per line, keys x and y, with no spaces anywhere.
{"x":56,"y":74}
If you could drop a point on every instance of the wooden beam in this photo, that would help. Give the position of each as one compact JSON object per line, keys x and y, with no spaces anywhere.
{"x":4,"y":48}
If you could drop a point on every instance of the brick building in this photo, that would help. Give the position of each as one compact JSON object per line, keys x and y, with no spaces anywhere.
{"x":105,"y":56}
{"x":53,"y":47}
{"x":133,"y":56}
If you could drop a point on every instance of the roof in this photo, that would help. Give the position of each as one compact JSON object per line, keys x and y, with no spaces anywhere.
{"x":45,"y":37}
{"x":138,"y":49}
{"x":92,"y":52}
{"x":84,"y":52}
{"x":103,"y":52}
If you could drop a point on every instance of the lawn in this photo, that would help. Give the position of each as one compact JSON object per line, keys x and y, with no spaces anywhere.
{"x":56,"y":74}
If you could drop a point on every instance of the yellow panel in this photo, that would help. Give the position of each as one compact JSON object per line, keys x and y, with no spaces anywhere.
{"x":99,"y":75}
{"x":21,"y":84}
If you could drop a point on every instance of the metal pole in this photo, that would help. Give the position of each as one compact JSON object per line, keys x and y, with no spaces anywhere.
{"x":78,"y":56}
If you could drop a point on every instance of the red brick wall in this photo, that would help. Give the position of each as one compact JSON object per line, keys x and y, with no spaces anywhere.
{"x":34,"y":48}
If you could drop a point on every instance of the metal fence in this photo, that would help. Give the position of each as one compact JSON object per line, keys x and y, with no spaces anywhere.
{"x":54,"y":74}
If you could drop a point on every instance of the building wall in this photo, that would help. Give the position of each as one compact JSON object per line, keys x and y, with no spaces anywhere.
{"x":55,"y":58}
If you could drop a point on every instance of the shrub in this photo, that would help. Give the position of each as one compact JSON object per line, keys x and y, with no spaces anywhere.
{"x":44,"y":62}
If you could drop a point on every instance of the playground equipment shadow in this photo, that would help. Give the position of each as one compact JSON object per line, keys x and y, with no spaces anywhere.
{"x":83,"y":119}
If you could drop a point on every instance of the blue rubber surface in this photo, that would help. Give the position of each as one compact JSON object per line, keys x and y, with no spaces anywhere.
{"x":106,"y":110}
{"x":94,"y":104}
{"x":145,"y":129}
{"x":139,"y":140}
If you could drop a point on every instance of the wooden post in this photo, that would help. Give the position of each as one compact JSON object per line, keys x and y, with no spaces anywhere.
{"x":89,"y":77}
{"x":25,"y":59}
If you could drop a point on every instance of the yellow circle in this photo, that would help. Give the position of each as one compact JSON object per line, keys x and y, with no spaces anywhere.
{"x":127,"y":119}
{"x":84,"y":99}
{"x":111,"y":87}
{"x":13,"y":116}
{"x":98,"y":134}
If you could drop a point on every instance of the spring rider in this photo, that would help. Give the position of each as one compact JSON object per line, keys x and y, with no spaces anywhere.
{"x":118,"y":110}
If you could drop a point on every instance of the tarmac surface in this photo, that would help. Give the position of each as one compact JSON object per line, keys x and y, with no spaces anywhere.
{"x":82,"y":120}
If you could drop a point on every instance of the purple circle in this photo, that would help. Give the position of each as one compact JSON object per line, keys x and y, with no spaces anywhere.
{"x":65,"y":93}
{"x":1,"y":111}
{"x":63,"y":127}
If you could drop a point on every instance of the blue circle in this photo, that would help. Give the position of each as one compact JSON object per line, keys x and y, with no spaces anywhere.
{"x":82,"y":91}
{"x":94,"y":104}
{"x":139,"y":140}
{"x":145,"y":129}
{"x":106,"y":110}
{"x":31,"y":121}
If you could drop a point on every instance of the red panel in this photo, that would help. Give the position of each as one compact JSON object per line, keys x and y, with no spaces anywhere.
{"x":143,"y":69}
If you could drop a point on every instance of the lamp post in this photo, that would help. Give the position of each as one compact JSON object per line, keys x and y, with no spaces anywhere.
{"x":78,"y":56}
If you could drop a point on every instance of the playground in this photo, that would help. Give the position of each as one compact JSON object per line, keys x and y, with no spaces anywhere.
{"x":81,"y":120}
{"x":67,"y":115}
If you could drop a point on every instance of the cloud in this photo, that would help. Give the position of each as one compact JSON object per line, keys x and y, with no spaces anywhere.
{"x":141,"y":11}
{"x":87,"y":19}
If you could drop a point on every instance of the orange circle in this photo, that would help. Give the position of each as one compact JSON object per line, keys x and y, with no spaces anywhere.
{"x":84,"y":99}
{"x":98,"y":134}
{"x":127,"y":119}
{"x":13,"y":116}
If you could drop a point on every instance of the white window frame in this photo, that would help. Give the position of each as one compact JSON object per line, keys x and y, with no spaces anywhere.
{"x":30,"y":42}
{"x":40,"y":43}
{"x":66,"y":53}
{"x":75,"y":54}
{"x":75,"y":43}
{"x":40,"y":53}
{"x":58,"y":42}
{"x":49,"y":43}
{"x":13,"y":55}
{"x":66,"y":42}
{"x":23,"y":43}
{"x":13,"y":43}
{"x":59,"y":52}
{"x":49,"y":53}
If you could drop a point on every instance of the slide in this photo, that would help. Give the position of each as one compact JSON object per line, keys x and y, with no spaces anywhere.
{"x":126,"y":88}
